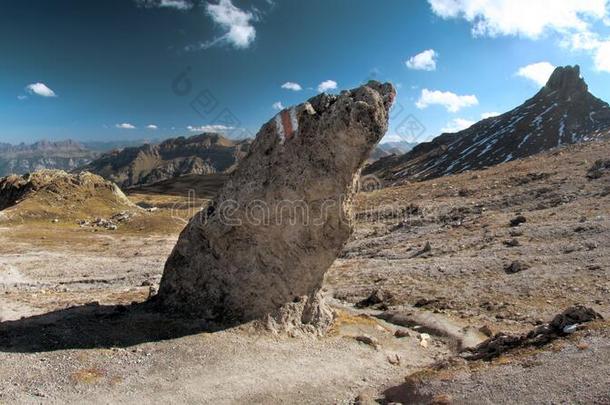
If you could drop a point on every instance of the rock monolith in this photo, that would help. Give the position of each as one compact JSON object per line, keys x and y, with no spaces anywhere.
{"x":261,"y":249}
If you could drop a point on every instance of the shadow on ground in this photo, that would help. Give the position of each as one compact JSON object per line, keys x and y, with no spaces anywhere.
{"x":94,"y":326}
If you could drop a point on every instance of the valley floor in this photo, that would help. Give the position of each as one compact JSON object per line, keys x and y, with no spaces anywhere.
{"x":439,"y":252}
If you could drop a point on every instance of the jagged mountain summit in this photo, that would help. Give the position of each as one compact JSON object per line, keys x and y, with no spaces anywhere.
{"x":207,"y":153}
{"x":562,"y":112}
{"x":24,"y":158}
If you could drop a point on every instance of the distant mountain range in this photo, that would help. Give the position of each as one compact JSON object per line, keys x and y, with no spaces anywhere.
{"x":562,"y":112}
{"x":22,"y":158}
{"x":397,"y":146}
{"x":208,"y":153}
{"x":106,"y":146}
{"x":390,"y":148}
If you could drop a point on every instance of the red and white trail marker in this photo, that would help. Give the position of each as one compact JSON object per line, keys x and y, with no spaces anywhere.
{"x":287,"y":124}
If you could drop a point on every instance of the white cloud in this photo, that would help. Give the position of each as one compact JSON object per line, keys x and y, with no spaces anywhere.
{"x":237,"y":24}
{"x":539,"y":72}
{"x":451,"y":101}
{"x":571,"y":20}
{"x":152,"y":126}
{"x":327,"y":85}
{"x":125,"y":125}
{"x":292,"y":86}
{"x":40,"y":89}
{"x":209,"y":128}
{"x":527,"y":18}
{"x":177,"y":4}
{"x":589,"y":41}
{"x":457,"y":124}
{"x":602,"y":57}
{"x":489,"y":115}
{"x":278,"y":106}
{"x":425,"y":60}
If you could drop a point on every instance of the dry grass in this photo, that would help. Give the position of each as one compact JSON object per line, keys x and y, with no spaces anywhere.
{"x":343,"y":319}
{"x":88,"y":376}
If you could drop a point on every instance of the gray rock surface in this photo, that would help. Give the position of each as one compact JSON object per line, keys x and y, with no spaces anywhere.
{"x":282,"y":218}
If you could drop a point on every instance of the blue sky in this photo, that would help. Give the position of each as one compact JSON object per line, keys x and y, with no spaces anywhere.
{"x":130,"y":69}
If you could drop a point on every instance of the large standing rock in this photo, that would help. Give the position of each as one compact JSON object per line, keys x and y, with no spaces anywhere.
{"x":282,"y":218}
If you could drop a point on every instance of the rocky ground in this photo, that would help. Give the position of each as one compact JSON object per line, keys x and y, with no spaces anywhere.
{"x":433,"y":267}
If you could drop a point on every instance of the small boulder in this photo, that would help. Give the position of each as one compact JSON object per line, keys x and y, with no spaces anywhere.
{"x":518,"y":220}
{"x":574,"y":315}
{"x":512,"y":242}
{"x":426,"y":251}
{"x":515,"y":267}
{"x":377,"y":297}
{"x":515,"y":232}
{"x":424,"y":340}
{"x":402,"y":333}
{"x":599,"y":168}
{"x":368,"y":340}
{"x":486,"y":330}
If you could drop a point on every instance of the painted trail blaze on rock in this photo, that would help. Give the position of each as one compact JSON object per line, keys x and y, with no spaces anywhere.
{"x":286,"y":124}
{"x":282,"y":218}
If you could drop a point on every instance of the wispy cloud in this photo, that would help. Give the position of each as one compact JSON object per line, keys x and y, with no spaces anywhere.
{"x":425,"y":60}
{"x":327,"y":85}
{"x":40,"y":89}
{"x":176,"y":4}
{"x":125,"y":125}
{"x":278,"y":106}
{"x":539,"y":72}
{"x":152,"y":126}
{"x":209,"y":128}
{"x":292,"y":86}
{"x":22,"y":97}
{"x":239,"y":32}
{"x":451,"y":101}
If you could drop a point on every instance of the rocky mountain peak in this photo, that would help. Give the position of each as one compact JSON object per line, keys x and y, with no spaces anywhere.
{"x":567,"y":80}
{"x":563,"y":112}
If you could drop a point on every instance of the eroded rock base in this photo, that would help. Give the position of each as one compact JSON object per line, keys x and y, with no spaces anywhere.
{"x":309,"y":315}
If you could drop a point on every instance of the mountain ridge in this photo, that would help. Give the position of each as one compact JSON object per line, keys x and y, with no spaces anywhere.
{"x":206,"y":153}
{"x":26,"y":158}
{"x":562,"y":112}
